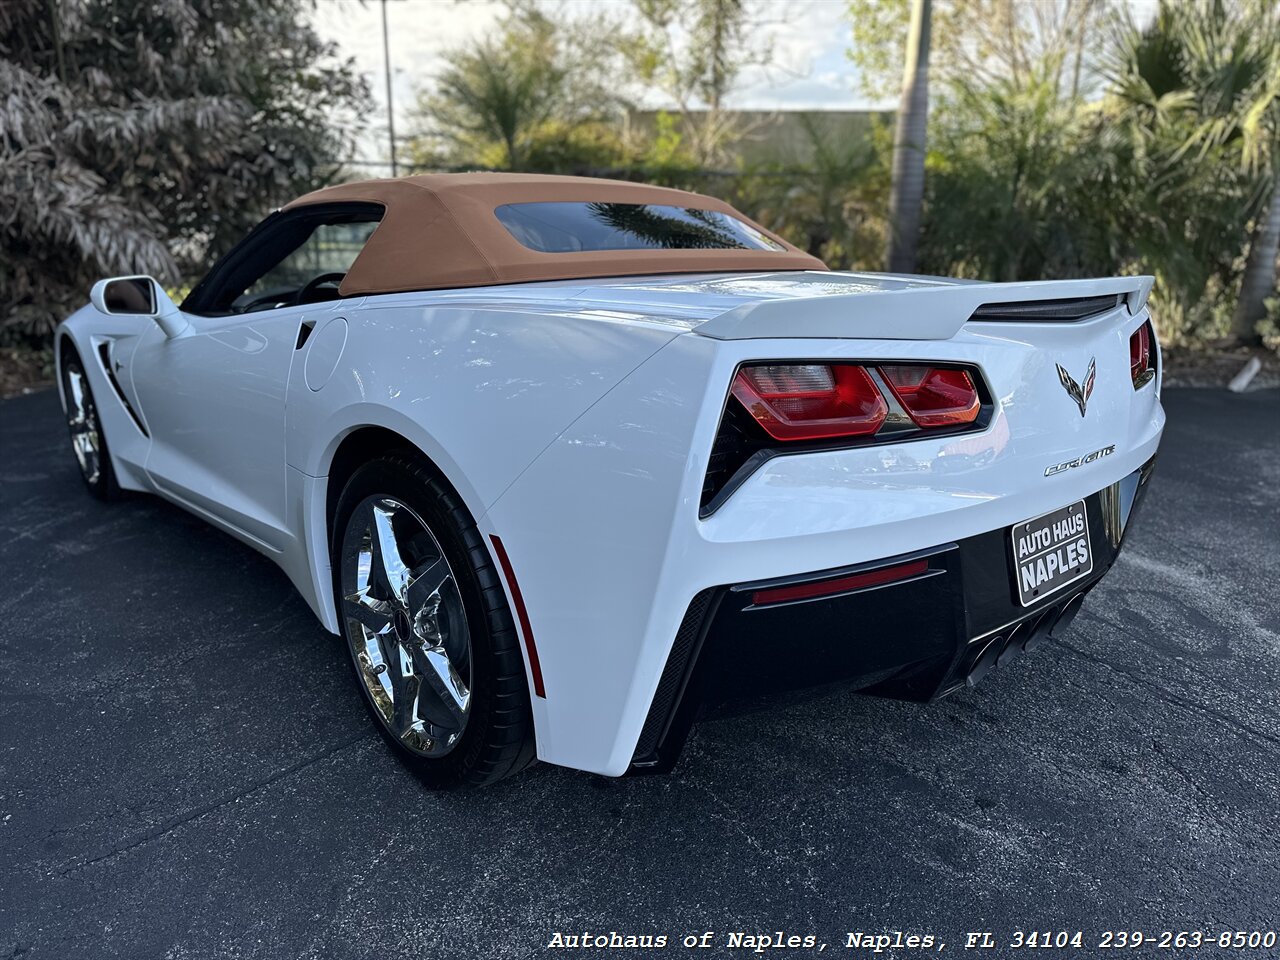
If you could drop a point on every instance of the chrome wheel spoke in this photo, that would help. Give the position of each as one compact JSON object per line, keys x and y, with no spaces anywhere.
{"x":437,"y":670}
{"x":404,"y":687}
{"x":374,"y":615}
{"x":75,"y":385}
{"x":426,"y":584}
{"x":389,"y":569}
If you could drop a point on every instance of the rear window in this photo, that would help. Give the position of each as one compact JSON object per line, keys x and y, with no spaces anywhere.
{"x":572,"y":227}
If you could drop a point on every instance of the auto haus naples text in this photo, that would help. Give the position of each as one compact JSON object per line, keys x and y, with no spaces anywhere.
{"x":1048,"y":551}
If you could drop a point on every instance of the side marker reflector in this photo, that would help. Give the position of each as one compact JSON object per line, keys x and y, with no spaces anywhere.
{"x":855,"y":581}
{"x":522,"y":615}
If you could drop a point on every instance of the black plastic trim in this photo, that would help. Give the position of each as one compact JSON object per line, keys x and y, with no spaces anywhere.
{"x":270,"y":241}
{"x":304,"y":331}
{"x":671,"y":713}
{"x":104,"y":355}
{"x":1064,"y":310}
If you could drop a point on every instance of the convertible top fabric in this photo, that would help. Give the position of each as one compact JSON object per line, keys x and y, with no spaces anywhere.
{"x":440,"y":231}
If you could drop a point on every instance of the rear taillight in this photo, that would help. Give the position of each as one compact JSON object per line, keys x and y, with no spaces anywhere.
{"x":1140,"y":366}
{"x":778,"y":407}
{"x":811,"y":401}
{"x":934,"y":397}
{"x":814,"y":401}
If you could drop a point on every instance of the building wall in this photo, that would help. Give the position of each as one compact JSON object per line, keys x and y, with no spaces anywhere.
{"x":784,"y":137}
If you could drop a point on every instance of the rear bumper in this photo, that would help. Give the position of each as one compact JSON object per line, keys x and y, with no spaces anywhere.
{"x":942,"y":627}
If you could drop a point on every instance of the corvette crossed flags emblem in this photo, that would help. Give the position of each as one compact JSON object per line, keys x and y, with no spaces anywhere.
{"x":1079,"y":392}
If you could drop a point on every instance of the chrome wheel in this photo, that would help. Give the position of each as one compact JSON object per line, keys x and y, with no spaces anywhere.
{"x":406,"y":626}
{"x":82,"y":417}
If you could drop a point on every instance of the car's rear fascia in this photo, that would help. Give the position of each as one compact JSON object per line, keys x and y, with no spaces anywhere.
{"x":938,"y":620}
{"x":604,"y":530}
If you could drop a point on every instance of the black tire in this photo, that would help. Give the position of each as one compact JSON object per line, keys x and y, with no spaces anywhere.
{"x":84,"y":422}
{"x":497,"y":739}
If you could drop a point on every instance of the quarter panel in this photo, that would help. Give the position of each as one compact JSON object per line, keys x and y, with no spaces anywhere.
{"x":481,"y":390}
{"x":597,"y":533}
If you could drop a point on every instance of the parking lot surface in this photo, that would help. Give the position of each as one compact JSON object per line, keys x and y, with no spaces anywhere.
{"x":186,"y":769}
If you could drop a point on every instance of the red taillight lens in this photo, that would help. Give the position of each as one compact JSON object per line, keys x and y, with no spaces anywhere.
{"x":934,"y":397}
{"x":1140,"y":356}
{"x":811,"y":401}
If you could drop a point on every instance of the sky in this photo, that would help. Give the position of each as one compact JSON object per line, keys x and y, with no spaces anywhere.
{"x":809,"y":37}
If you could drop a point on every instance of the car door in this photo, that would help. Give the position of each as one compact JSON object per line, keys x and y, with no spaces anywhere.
{"x":214,"y":403}
{"x":214,"y":398}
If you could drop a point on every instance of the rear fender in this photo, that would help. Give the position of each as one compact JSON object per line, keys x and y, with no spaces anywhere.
{"x":479,"y":391}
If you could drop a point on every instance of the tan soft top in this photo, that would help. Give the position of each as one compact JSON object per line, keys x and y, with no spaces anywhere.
{"x":440,"y":231}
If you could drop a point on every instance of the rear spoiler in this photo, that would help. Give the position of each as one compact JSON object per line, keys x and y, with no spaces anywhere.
{"x":917,"y":313}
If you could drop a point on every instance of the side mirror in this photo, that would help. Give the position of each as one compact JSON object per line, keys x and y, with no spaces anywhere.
{"x":138,"y":297}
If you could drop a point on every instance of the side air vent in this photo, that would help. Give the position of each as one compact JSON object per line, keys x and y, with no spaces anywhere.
{"x":104,"y":354}
{"x":671,"y":686}
{"x":1069,"y":310}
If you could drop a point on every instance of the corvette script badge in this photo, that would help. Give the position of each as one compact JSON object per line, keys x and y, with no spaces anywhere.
{"x":1079,"y":392}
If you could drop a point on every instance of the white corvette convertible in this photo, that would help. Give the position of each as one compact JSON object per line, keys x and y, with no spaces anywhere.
{"x":568,"y":461}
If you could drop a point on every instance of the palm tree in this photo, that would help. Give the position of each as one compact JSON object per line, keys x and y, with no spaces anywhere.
{"x":907,"y":194}
{"x":1260,"y":141}
{"x":1210,"y":73}
{"x":499,"y":91}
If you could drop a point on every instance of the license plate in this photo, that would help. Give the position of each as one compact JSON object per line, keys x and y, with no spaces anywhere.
{"x":1051,"y":551}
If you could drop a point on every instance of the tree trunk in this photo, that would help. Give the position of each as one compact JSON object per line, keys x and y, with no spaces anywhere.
{"x":1259,"y":280}
{"x":55,"y":28}
{"x":907,"y":195}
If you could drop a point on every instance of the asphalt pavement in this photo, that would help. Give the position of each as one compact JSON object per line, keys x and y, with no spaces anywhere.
{"x":186,"y":770}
